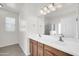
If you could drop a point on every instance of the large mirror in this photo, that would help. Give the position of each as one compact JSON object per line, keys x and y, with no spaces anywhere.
{"x":63,"y":21}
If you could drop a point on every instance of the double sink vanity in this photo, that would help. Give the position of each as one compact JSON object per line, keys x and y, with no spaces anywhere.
{"x":64,"y":21}
{"x":47,"y":45}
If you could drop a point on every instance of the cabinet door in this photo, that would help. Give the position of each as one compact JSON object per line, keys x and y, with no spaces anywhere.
{"x":52,"y":51}
{"x":34,"y":48}
{"x":48,"y":53}
{"x":40,"y":49}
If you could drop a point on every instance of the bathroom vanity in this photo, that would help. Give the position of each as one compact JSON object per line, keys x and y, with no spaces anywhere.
{"x":40,"y":49}
{"x":47,"y":45}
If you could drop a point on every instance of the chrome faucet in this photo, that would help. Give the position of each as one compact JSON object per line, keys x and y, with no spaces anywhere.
{"x":60,"y":38}
{"x":39,"y":35}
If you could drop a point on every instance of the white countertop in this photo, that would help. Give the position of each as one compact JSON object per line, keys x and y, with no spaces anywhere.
{"x":69,"y":45}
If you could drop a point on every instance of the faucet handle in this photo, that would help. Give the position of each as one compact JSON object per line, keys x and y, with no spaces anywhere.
{"x":62,"y":35}
{"x":60,"y":38}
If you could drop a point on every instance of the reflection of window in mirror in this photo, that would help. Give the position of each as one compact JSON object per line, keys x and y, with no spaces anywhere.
{"x":10,"y":24}
{"x":59,"y":28}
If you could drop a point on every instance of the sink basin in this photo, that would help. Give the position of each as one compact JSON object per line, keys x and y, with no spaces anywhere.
{"x":49,"y":38}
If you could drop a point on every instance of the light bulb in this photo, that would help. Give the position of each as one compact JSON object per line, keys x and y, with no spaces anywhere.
{"x":45,"y":8}
{"x":41,"y":11}
{"x":51,"y":7}
{"x":0,"y":5}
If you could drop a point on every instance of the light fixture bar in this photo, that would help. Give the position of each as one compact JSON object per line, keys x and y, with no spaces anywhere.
{"x":49,"y":8}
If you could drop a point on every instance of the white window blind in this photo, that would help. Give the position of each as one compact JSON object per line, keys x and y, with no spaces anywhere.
{"x":10,"y":24}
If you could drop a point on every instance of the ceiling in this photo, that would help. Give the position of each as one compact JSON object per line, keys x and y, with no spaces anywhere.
{"x":16,"y":7}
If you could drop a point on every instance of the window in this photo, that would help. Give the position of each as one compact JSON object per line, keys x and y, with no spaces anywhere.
{"x":10,"y":24}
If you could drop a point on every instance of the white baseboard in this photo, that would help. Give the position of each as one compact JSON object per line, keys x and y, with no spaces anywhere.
{"x":8,"y":44}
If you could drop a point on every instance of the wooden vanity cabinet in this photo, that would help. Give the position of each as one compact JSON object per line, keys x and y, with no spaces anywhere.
{"x":39,"y":49}
{"x":33,"y":47}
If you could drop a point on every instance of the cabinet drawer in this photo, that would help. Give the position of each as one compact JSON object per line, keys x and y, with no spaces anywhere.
{"x":55,"y":51}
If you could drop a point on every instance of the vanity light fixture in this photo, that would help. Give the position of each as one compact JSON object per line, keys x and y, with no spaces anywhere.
{"x":51,"y":7}
{"x":41,"y":11}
